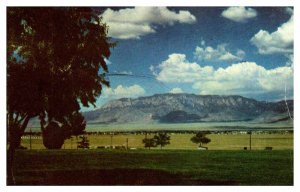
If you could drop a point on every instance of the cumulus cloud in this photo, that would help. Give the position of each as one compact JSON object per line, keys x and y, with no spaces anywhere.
{"x":123,"y":91}
{"x":241,"y":78}
{"x":220,"y":53}
{"x":176,"y":90}
{"x":132,"y":23}
{"x":239,"y":14}
{"x":279,"y":41}
{"x":177,"y":69}
{"x":245,"y":78}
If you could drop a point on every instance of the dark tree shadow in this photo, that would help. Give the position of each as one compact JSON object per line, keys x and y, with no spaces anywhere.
{"x":113,"y":177}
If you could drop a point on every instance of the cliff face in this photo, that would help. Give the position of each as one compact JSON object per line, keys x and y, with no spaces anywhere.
{"x":186,"y":108}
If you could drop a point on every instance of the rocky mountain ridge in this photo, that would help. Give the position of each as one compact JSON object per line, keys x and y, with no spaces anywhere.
{"x":180,"y":108}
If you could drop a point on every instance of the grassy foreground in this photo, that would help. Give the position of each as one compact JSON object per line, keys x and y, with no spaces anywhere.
{"x":154,"y":167}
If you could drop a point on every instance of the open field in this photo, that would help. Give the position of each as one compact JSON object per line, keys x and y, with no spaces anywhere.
{"x":230,"y":141}
{"x":179,"y":163}
{"x":154,"y":167}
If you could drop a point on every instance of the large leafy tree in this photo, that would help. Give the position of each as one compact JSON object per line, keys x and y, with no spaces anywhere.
{"x":162,"y":139}
{"x":55,"y":61}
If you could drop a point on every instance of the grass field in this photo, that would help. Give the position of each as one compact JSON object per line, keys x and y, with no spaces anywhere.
{"x":182,"y":141}
{"x":154,"y":167}
{"x":180,"y":163}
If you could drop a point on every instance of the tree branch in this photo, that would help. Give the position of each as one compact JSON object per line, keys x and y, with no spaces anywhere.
{"x":25,"y":123}
{"x":16,"y":119}
{"x":22,"y":118}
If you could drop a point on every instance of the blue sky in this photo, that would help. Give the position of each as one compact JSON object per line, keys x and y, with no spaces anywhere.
{"x":244,"y":51}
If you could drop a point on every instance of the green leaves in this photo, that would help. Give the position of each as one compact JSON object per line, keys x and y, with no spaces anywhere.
{"x":63,"y":50}
{"x":58,"y":68}
{"x":200,"y":138}
{"x":149,"y":142}
{"x":160,"y":139}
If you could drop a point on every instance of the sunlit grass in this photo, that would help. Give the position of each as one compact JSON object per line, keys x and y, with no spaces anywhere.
{"x":182,"y":141}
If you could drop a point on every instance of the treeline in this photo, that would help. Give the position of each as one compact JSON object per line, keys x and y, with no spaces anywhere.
{"x":170,"y":132}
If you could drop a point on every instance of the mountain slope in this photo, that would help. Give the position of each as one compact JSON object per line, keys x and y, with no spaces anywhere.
{"x":170,"y":108}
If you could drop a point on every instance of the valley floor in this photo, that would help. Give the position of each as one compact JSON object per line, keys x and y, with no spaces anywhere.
{"x":219,"y":141}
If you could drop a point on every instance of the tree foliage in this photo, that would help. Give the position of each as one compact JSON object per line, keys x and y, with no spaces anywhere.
{"x":84,"y":143}
{"x":56,"y":60}
{"x":162,"y":139}
{"x":200,"y":138}
{"x":149,"y":142}
{"x":53,"y":136}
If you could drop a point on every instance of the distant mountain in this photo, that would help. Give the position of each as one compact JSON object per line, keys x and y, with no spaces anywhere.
{"x":180,"y":108}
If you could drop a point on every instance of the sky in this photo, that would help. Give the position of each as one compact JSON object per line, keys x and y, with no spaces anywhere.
{"x":245,"y":51}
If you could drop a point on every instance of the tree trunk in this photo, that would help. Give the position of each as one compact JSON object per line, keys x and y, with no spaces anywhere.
{"x":10,"y":160}
{"x":14,"y":143}
{"x":15,"y":133}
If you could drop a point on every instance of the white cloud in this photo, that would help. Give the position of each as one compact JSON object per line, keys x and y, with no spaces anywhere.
{"x":245,"y":78}
{"x":132,"y":23}
{"x":128,"y":30}
{"x":202,"y":43}
{"x":121,"y":92}
{"x":290,"y":61}
{"x":289,"y":10}
{"x":108,"y":62}
{"x":177,"y":69}
{"x":240,"y":78}
{"x":279,"y":41}
{"x":239,"y":14}
{"x":176,"y":90}
{"x":123,"y":72}
{"x":220,"y":53}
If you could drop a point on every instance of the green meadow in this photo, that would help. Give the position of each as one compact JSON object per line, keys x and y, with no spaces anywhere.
{"x":230,"y":141}
{"x":154,"y":167}
{"x":179,"y":163}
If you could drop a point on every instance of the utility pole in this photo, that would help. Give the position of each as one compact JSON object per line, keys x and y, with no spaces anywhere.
{"x":71,"y":141}
{"x":111,"y":138}
{"x":126,"y":143}
{"x":30,"y":138}
{"x":250,"y":133}
{"x":77,"y":141}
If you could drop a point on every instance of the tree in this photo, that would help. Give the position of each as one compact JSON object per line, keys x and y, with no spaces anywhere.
{"x":53,"y":136}
{"x":200,"y":138}
{"x":162,"y":139}
{"x":149,"y":142}
{"x":84,"y":143}
{"x":55,"y":62}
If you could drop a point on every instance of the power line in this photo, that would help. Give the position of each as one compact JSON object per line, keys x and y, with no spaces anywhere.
{"x":151,"y":77}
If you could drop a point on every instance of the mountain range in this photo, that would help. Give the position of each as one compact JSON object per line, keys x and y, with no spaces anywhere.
{"x":184,"y":108}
